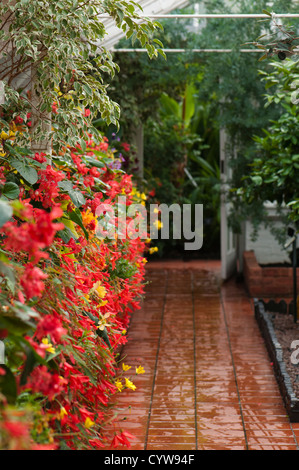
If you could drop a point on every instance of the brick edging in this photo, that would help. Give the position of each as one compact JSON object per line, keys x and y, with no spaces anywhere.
{"x":267,"y":281}
{"x":274,"y":349}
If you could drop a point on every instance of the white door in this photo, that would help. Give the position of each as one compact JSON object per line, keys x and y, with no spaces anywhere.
{"x":229,"y":254}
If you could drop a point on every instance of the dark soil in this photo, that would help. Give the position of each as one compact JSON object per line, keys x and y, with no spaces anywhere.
{"x":287,"y":331}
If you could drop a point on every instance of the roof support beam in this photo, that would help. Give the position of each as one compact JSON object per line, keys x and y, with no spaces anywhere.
{"x":216,"y":15}
{"x":187,"y":50}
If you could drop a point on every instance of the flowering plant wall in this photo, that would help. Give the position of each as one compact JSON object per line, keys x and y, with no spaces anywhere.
{"x":66,"y":295}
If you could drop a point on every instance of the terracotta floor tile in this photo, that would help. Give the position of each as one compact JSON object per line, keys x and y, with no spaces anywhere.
{"x":221,"y":437}
{"x":174,"y":383}
{"x":272,"y":447}
{"x":256,"y":382}
{"x":271,"y":441}
{"x":174,"y":405}
{"x":221,"y":447}
{"x":263,"y":412}
{"x":223,"y":396}
{"x":166,"y":414}
{"x":169,"y":442}
{"x":295,"y":426}
{"x":218,"y":412}
{"x":168,"y":370}
{"x":261,"y":425}
{"x":188,"y":426}
{"x":170,"y":446}
{"x":175,"y":433}
{"x":284,"y":435}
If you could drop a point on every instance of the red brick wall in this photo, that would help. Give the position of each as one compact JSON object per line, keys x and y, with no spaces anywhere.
{"x":267,"y":282}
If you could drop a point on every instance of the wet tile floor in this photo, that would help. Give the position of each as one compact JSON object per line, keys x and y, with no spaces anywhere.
{"x":208,"y":381}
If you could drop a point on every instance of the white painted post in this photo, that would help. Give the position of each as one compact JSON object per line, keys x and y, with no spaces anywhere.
{"x":39,"y":119}
{"x":2,"y":353}
{"x":139,"y":142}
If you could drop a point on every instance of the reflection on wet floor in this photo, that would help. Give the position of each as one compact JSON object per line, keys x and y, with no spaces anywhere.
{"x":208,"y":381}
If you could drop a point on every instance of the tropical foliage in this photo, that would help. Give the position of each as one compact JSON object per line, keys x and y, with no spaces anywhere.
{"x":273,"y":173}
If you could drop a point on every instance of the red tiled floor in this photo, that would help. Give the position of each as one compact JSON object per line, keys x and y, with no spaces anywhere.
{"x":208,"y":382}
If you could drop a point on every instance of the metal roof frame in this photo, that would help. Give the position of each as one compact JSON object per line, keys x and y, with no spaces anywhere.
{"x":153,"y":9}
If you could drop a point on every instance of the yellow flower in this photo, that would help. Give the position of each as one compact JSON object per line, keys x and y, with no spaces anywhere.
{"x":158,"y":224}
{"x":49,"y":348}
{"x":140,"y":370}
{"x":129,"y":384}
{"x":63,"y":412}
{"x":103,"y":322}
{"x":3,"y":135}
{"x":125,"y":367}
{"x":88,"y":423}
{"x":119,"y":385}
{"x":153,"y":250}
{"x":87,"y":217}
{"x":101,"y":291}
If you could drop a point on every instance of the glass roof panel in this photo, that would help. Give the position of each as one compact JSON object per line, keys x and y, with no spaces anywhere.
{"x":149,"y":7}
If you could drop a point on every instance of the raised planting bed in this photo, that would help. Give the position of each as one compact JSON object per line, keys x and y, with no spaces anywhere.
{"x":267,"y":281}
{"x":276,"y":323}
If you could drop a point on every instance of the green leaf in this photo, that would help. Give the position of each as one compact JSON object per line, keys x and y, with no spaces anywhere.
{"x":257,"y":180}
{"x":8,"y":385}
{"x":5,"y":212}
{"x":83,"y":145}
{"x":65,"y":234}
{"x":266,"y":12}
{"x":11,"y":190}
{"x":189,"y":103}
{"x":8,"y":274}
{"x":65,"y":185}
{"x":27,"y":172}
{"x":77,"y":197}
{"x":263,"y":57}
{"x":169,"y":105}
{"x":28,"y":367}
{"x":76,"y":217}
{"x":103,"y":334}
{"x":94,"y":162}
